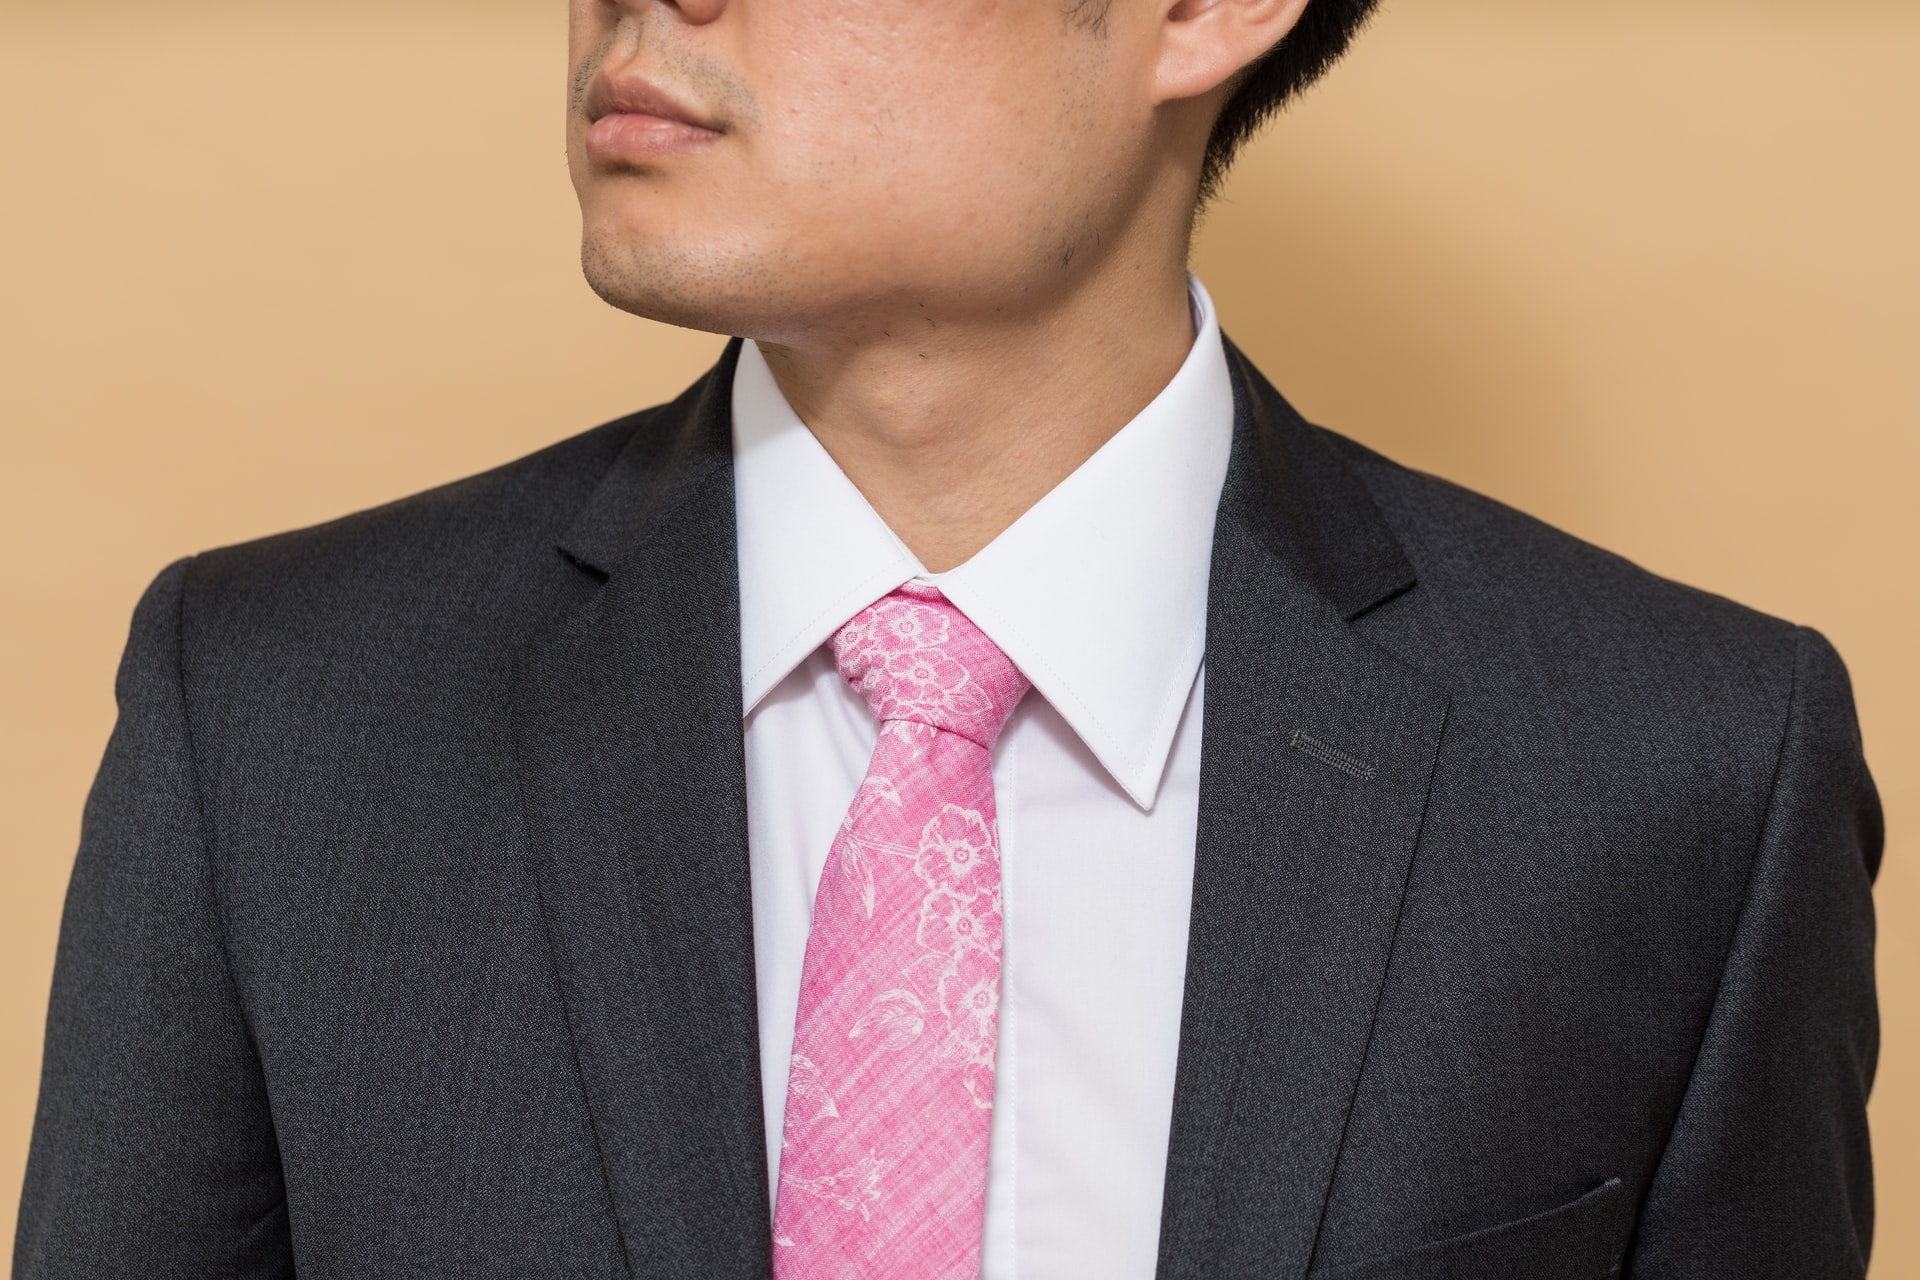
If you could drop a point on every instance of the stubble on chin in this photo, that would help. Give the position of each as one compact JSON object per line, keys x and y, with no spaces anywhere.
{"x":654,"y":282}
{"x":663,"y":281}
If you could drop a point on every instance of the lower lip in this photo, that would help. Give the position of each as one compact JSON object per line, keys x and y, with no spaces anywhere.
{"x":630,"y":138}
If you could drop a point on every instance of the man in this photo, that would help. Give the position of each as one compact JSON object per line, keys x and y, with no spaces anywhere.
{"x":790,"y":831}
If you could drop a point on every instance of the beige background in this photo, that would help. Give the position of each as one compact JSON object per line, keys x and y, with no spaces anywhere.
{"x":1647,"y":269}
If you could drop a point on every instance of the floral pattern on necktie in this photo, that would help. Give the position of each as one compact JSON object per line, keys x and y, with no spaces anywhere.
{"x":890,"y":1089}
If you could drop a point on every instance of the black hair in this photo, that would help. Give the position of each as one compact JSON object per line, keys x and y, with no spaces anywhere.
{"x":1316,"y":42}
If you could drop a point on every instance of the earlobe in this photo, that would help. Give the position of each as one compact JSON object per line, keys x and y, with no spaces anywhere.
{"x":1205,"y":43}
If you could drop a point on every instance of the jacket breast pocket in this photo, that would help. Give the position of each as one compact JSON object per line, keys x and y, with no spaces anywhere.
{"x":1581,"y":1240}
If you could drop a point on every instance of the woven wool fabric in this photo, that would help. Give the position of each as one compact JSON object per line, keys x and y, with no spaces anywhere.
{"x":422,"y":846}
{"x":890,"y":1088}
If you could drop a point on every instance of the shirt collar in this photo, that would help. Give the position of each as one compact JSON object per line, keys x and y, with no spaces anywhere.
{"x":1098,"y":592}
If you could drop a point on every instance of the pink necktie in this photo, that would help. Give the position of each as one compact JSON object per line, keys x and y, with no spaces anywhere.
{"x":883,"y":1167}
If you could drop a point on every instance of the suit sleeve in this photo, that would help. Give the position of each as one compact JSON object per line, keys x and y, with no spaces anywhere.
{"x":153,"y":1151}
{"x":1767,"y":1171}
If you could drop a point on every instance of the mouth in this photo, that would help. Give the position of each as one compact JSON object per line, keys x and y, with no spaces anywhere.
{"x":632,"y":121}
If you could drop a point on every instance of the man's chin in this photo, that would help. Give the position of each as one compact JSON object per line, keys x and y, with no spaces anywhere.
{"x":653,"y":286}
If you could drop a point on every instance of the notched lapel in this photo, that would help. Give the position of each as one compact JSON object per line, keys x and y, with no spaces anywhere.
{"x":628,"y":724}
{"x":1317,"y":752}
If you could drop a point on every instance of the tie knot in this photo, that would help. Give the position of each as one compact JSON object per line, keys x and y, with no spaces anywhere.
{"x":913,"y":656}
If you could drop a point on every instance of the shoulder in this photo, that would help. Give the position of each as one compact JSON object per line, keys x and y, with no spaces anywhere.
{"x":463,"y":550}
{"x":443,"y":535}
{"x":1657,"y":721}
{"x":1563,"y":658}
{"x":1498,"y":586}
{"x":404,"y":610}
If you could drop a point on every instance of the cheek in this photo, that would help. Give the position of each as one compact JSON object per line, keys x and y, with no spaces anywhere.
{"x":875,"y":89}
{"x":960,"y":146}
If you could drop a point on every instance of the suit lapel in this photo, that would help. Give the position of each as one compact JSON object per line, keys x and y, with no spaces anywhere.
{"x":1315,"y":761}
{"x":628,"y":724}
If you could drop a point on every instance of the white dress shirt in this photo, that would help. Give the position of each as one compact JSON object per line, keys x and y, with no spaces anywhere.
{"x":1098,"y":593}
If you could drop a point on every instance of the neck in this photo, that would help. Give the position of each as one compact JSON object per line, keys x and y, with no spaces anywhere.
{"x":952,"y":428}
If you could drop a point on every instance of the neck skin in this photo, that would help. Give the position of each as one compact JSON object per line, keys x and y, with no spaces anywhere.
{"x":953,"y":428}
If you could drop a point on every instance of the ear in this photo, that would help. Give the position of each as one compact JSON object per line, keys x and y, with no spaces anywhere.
{"x":1204,"y":43}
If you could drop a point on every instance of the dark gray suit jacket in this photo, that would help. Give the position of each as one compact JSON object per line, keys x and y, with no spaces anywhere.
{"x":410,"y":931}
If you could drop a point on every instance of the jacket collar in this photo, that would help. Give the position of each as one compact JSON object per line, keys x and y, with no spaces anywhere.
{"x":1314,"y":513}
{"x":1295,"y":490}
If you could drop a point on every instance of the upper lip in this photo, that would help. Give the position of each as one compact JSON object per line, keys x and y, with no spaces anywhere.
{"x":611,"y":93}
